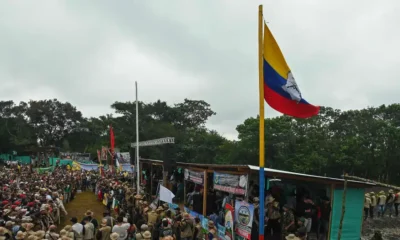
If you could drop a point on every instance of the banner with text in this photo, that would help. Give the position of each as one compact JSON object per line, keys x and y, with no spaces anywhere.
{"x":235,"y":184}
{"x":192,"y":176}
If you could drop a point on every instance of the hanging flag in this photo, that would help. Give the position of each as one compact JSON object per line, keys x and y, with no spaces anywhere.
{"x":166,"y":195}
{"x":280,"y":88}
{"x":112,"y":140}
{"x":115,"y":204}
{"x":119,"y":166}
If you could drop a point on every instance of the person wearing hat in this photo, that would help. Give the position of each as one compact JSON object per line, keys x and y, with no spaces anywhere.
{"x":389,"y":202}
{"x":381,"y":203}
{"x":186,"y":227}
{"x":143,"y":228}
{"x":88,"y":233}
{"x":40,"y":234}
{"x":373,"y":204}
{"x":68,"y":231}
{"x":89,"y":215}
{"x":152,"y":219}
{"x":292,"y":237}
{"x":288,"y":223}
{"x":51,"y":233}
{"x":367,"y":205}
{"x":147,"y":235}
{"x":273,"y":228}
{"x":20,"y":235}
{"x":104,"y":231}
{"x":114,"y":236}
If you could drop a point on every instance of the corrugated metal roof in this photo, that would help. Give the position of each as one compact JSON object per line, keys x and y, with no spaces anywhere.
{"x":271,"y":170}
{"x":268,"y":171}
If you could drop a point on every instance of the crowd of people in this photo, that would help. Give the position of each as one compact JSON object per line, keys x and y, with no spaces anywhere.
{"x":32,"y":205}
{"x":381,"y":203}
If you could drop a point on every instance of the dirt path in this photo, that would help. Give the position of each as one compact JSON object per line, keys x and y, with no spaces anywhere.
{"x":83,"y":201}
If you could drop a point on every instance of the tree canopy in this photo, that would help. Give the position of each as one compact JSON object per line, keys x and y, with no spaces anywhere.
{"x":360,"y":142}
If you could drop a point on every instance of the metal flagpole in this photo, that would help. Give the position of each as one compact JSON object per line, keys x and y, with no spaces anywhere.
{"x":261,"y":119}
{"x":137,"y":142}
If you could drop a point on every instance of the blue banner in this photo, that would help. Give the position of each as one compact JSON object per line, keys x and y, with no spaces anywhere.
{"x":127,"y":168}
{"x":221,"y":232}
{"x":89,"y":167}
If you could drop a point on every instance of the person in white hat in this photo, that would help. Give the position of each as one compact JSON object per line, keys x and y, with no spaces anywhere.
{"x":292,"y":237}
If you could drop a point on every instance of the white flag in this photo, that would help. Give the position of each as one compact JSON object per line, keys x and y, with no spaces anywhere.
{"x":166,"y":195}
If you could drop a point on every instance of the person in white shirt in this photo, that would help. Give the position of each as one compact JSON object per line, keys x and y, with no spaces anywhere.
{"x":89,"y":229}
{"x":121,"y":228}
{"x":77,"y":228}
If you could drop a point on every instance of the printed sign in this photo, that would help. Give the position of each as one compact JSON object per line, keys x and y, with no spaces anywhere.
{"x":235,"y":184}
{"x":221,"y":232}
{"x":244,"y":213}
{"x":192,"y":176}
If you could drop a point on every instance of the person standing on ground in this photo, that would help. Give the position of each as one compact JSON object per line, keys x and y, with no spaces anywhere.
{"x":389,"y":203}
{"x":373,"y":205}
{"x":89,"y":229}
{"x":367,"y":205}
{"x":396,"y":204}
{"x":324,"y":220}
{"x":121,"y":228}
{"x":381,"y":202}
{"x":77,"y":228}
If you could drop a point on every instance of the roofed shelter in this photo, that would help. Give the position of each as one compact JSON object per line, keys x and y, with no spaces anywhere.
{"x":352,"y":222}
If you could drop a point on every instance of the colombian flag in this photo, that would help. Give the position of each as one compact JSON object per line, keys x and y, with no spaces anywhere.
{"x":280,"y":89}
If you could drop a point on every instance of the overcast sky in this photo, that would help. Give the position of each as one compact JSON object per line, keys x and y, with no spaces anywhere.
{"x":344,"y":54}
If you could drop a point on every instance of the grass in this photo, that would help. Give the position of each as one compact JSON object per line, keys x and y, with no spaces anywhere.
{"x":77,"y":208}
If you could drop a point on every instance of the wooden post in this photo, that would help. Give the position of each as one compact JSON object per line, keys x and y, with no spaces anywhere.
{"x":205,"y":187}
{"x":151,"y":180}
{"x":184,"y":191}
{"x":141,"y":172}
{"x":343,"y":207}
{"x":330,"y":216}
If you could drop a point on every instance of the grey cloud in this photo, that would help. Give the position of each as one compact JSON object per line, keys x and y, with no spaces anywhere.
{"x":343,"y":54}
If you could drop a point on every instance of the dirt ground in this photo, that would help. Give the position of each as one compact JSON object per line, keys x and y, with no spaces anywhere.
{"x":76,"y":208}
{"x":389,"y":227}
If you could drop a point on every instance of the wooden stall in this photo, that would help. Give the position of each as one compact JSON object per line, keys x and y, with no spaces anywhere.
{"x":354,"y":201}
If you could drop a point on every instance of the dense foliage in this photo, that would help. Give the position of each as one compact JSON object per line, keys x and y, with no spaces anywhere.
{"x":360,"y":142}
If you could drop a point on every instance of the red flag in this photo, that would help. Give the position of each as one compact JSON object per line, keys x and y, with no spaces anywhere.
{"x":112,"y":140}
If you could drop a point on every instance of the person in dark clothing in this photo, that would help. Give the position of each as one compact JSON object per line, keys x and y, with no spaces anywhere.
{"x":323,"y":224}
{"x":166,"y":230}
{"x":306,"y":209}
{"x":198,"y":200}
